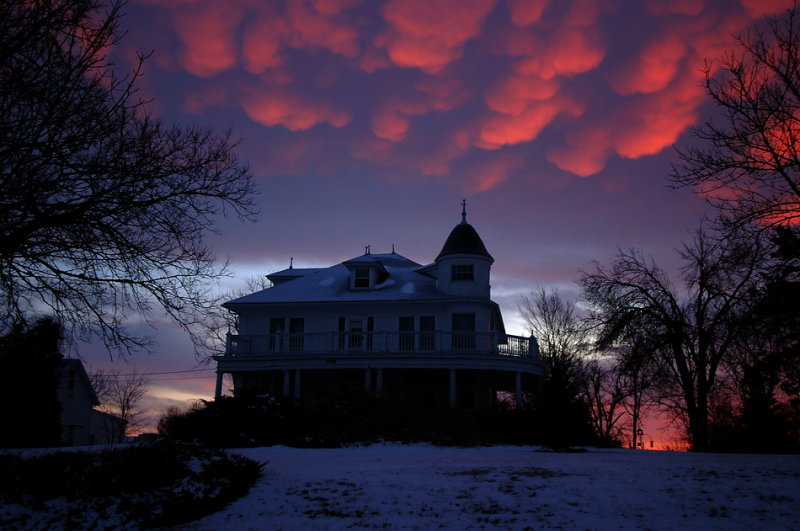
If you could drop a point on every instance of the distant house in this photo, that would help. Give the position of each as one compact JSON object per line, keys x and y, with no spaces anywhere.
{"x":416,"y":335}
{"x":81,"y":424}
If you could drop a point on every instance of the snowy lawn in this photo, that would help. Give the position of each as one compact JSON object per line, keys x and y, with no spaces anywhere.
{"x":509,"y":487}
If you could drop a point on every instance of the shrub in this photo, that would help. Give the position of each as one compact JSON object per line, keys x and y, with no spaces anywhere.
{"x":154,"y":485}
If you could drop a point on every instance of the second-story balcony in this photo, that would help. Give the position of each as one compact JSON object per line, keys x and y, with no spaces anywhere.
{"x":384,"y":342}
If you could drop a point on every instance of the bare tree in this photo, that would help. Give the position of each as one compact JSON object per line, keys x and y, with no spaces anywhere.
{"x":748,"y":162}
{"x":103,"y":208}
{"x":120,"y":395}
{"x":556,"y":324}
{"x":606,"y":395}
{"x":692,"y":328}
{"x":638,"y":374}
{"x":219,"y":321}
{"x":563,"y":413}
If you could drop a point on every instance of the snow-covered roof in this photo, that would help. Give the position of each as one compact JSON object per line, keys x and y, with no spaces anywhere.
{"x":404,"y":281}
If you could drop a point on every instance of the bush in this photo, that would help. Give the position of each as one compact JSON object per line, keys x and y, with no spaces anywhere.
{"x":266,"y":421}
{"x":154,"y":485}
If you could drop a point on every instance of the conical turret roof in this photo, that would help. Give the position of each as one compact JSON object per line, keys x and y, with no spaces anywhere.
{"x":464,"y":239}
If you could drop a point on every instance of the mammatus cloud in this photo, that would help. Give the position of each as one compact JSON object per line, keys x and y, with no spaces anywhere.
{"x":456,"y":83}
{"x":271,"y":107}
{"x":208,"y":36}
{"x":430,"y":35}
{"x":526,"y":12}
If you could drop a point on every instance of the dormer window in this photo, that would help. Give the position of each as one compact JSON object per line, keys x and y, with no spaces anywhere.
{"x":361,"y":278}
{"x":462,"y":272}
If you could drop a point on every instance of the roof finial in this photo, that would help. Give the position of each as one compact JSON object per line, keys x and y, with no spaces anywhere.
{"x":464,"y":211}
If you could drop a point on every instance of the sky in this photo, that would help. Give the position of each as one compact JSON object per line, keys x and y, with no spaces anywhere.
{"x":366,"y":123}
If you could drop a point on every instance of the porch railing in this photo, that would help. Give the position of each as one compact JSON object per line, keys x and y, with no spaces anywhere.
{"x":375,"y":342}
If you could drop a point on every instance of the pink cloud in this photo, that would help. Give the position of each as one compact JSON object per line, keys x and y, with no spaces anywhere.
{"x":208,"y":35}
{"x":760,"y":8}
{"x":585,"y":153}
{"x":483,"y":177}
{"x":313,"y":28}
{"x":428,"y":35}
{"x":566,"y":53}
{"x":261,"y":44}
{"x":273,"y":107}
{"x":515,"y":93}
{"x":334,"y":7}
{"x":686,"y":7}
{"x":500,"y":130}
{"x":391,"y":122}
{"x":639,"y":126}
{"x":526,"y":12}
{"x":655,"y":67}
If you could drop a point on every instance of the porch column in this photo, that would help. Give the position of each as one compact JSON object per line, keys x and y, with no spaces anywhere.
{"x":452,"y":388}
{"x":518,"y":388}
{"x":286,"y":384}
{"x":218,"y":388}
{"x":379,"y":383}
{"x":367,"y":380}
{"x":297,"y":381}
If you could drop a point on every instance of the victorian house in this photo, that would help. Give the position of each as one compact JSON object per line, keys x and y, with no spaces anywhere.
{"x":415,"y":335}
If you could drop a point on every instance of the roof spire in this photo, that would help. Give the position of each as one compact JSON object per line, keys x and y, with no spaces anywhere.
{"x":464,"y":211}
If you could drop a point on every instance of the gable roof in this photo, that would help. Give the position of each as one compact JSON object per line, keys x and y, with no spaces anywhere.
{"x":71,"y":364}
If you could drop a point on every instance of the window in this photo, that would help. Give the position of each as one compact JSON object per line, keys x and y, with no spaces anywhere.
{"x":361,"y":277}
{"x":463,"y":331}
{"x":296,"y":329}
{"x":406,"y":327}
{"x":463,"y":272}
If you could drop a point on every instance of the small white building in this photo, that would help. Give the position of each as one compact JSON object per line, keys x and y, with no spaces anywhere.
{"x":418,"y":336}
{"x":81,"y":424}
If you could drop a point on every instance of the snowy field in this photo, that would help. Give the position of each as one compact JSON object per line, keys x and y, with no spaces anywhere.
{"x":426,"y":487}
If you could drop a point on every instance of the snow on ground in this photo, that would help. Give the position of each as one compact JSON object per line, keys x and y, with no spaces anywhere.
{"x":510,"y":487}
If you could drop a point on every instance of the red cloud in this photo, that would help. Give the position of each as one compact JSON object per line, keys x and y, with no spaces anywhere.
{"x":390,"y":122}
{"x":585,"y":154}
{"x":261,"y":44}
{"x":655,"y":67}
{"x":760,"y":8}
{"x":208,"y":34}
{"x":275,"y":107}
{"x":311,"y":27}
{"x":428,"y":35}
{"x":566,"y":53}
{"x":526,"y":12}
{"x":500,"y":129}
{"x":484,"y":177}
{"x":334,"y":7}
{"x":514,"y":94}
{"x":640,"y":126}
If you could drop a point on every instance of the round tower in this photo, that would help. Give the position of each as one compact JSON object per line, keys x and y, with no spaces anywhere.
{"x":464,"y":263}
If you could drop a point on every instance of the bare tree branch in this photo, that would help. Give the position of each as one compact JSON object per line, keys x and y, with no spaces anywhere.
{"x":104,"y":209}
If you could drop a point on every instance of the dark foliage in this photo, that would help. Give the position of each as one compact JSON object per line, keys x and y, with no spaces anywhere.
{"x":560,"y":412}
{"x":266,"y":421}
{"x":153,"y":485}
{"x":766,"y":368}
{"x":29,"y":406}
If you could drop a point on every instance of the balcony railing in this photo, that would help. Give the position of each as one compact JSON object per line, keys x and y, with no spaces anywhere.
{"x":376,"y":342}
